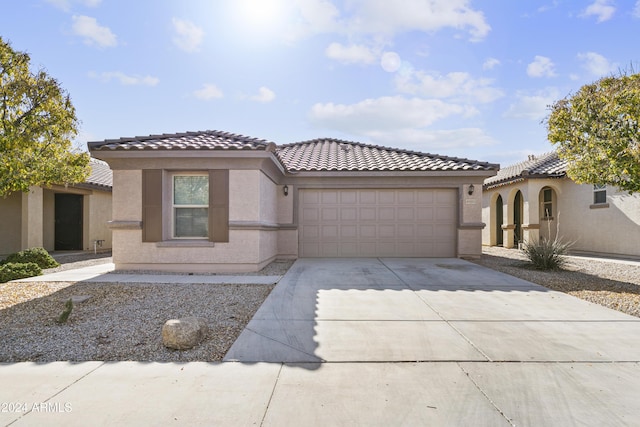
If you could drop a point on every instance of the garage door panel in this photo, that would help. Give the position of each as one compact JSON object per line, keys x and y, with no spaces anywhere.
{"x":329,"y":214}
{"x":348,"y":214}
{"x":376,"y":223}
{"x":367,"y":214}
{"x":387,"y":214}
{"x":329,"y":197}
{"x":387,"y":197}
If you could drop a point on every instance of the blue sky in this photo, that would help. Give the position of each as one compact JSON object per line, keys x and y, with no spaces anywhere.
{"x":454,"y":77}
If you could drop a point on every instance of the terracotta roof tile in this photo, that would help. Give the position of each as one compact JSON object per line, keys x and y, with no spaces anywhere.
{"x":202,"y":140}
{"x":338,"y":155}
{"x":548,"y":165}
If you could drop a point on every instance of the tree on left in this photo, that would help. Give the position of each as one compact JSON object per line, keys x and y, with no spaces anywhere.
{"x":37,"y":124}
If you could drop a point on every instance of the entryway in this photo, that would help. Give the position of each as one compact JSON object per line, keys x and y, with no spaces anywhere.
{"x":68,"y":222}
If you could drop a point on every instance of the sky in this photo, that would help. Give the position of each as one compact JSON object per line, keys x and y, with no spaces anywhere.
{"x":461,"y":78}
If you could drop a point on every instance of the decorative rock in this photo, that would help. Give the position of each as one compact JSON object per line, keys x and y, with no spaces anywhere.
{"x":183,"y":334}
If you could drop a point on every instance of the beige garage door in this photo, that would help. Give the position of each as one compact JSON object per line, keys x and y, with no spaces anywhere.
{"x":378,"y":223}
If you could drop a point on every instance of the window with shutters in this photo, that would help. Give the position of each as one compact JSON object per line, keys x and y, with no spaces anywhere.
{"x":190,"y":206}
{"x":186,"y":205}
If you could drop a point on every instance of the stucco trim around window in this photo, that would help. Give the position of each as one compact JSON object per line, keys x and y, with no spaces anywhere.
{"x":599,"y":206}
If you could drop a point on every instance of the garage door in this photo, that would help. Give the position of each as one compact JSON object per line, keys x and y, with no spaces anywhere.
{"x":377,"y":223}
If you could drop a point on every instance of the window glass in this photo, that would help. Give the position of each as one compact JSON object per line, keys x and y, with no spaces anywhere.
{"x":190,"y":206}
{"x":547,"y":198}
{"x":599,"y":194}
{"x":190,"y":190}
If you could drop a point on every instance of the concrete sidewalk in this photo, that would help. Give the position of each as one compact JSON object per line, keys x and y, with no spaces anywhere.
{"x":105,"y":273}
{"x":370,"y":342}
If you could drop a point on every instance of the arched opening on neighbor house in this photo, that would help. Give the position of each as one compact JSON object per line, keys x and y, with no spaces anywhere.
{"x":518,"y":210}
{"x":548,"y":202}
{"x":499,"y":221}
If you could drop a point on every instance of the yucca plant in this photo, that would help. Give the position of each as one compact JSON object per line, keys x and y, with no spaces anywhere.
{"x":547,"y":254}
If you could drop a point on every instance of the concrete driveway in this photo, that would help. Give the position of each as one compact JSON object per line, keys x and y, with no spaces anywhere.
{"x":470,"y":346}
{"x":388,"y":342}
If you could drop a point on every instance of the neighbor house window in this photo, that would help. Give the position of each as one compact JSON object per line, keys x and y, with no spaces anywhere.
{"x":547,"y":203}
{"x":190,"y":206}
{"x":599,"y":194}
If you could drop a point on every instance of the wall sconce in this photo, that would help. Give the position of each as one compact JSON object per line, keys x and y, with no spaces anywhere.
{"x":285,"y":190}
{"x":471,"y":189}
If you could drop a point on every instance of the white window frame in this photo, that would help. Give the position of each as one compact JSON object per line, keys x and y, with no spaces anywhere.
{"x":174,"y":206}
{"x":599,"y":188}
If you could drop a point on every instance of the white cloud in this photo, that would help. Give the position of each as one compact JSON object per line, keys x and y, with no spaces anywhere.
{"x":264,"y":95}
{"x":313,"y":17}
{"x":125,"y":79}
{"x":532,"y":106}
{"x":188,"y":36}
{"x":384,"y":114}
{"x":383,"y":16}
{"x":208,"y":91}
{"x":490,"y":64}
{"x":352,"y":54}
{"x":596,"y":64}
{"x":636,"y":10}
{"x":602,"y":9}
{"x":456,"y":85}
{"x":92,"y":32}
{"x":429,"y":140}
{"x":541,"y":67}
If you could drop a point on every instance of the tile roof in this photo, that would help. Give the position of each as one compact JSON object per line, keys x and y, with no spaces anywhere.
{"x":201,"y":140}
{"x":101,"y":176}
{"x":315,"y":155}
{"x":337,"y":155}
{"x":547,"y":165}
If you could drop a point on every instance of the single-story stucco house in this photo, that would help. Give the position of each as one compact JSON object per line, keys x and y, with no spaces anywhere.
{"x":219,"y":202}
{"x":59,"y":218}
{"x":535,"y":198}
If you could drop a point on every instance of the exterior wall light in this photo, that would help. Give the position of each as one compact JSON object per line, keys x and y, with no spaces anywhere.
{"x":285,"y":190}
{"x":471,"y":189}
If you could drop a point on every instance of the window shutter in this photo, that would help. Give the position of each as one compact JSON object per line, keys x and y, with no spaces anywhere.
{"x":219,"y":205}
{"x":151,"y":205}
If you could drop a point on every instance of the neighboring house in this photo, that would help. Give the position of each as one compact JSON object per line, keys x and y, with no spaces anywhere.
{"x":535,"y":198}
{"x":214,"y":201}
{"x":59,"y":217}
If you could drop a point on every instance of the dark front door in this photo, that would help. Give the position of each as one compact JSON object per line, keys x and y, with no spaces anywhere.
{"x":68,"y":219}
{"x":517,"y":218}
{"x":499,"y":220}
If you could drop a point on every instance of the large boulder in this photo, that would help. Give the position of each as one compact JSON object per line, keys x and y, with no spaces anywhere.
{"x":183,"y":334}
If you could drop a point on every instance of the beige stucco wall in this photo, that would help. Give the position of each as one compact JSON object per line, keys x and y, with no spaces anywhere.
{"x":606,"y":229}
{"x":253,"y":235}
{"x":99,"y":206}
{"x":11,"y":224}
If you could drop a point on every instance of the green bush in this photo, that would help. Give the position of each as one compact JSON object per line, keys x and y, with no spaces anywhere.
{"x":547,"y":254}
{"x":38,"y":255}
{"x":13,"y":271}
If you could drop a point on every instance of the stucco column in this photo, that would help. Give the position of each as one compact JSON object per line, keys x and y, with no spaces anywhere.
{"x":32,"y":217}
{"x":531,"y":232}
{"x":508,"y":233}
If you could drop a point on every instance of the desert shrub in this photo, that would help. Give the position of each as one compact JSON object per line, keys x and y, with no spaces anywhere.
{"x":37,"y":255}
{"x":547,"y":254}
{"x":13,"y":271}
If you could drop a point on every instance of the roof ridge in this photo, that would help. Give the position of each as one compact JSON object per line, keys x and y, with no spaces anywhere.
{"x":182,"y":134}
{"x":393,"y":149}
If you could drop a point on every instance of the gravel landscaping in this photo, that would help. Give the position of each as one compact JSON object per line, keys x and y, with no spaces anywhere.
{"x":611,"y":283}
{"x":123,"y":321}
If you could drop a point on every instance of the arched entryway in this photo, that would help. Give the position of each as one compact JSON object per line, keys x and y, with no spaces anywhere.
{"x":499,"y":221}
{"x":518,"y":210}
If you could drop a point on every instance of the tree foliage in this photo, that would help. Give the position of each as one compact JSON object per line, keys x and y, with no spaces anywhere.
{"x":597,"y":131}
{"x":37,"y":123}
